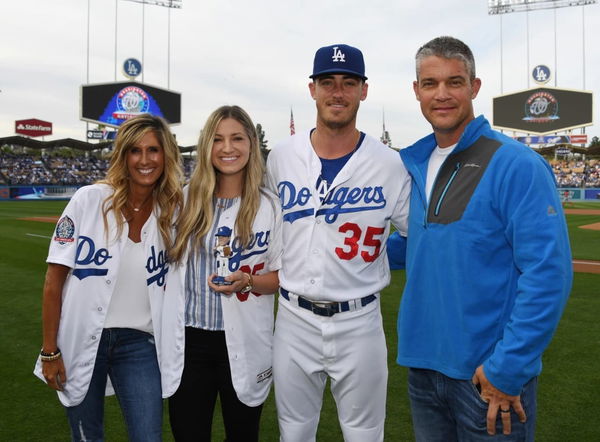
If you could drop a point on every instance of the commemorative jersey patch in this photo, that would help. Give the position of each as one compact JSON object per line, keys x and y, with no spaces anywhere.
{"x":65,"y":230}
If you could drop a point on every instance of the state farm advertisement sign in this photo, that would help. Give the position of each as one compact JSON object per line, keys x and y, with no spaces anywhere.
{"x":33,"y":127}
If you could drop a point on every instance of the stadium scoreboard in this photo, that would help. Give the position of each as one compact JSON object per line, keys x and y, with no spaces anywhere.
{"x":543,"y":110}
{"x":112,"y":104}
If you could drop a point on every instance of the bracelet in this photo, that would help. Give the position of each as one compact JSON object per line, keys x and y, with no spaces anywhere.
{"x":49,"y":357}
{"x":249,"y":285}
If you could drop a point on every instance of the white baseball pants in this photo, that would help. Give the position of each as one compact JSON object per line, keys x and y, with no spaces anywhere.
{"x":348,"y":347}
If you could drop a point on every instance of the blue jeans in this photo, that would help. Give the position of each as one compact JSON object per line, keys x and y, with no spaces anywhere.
{"x":129,"y":357}
{"x":449,"y":410}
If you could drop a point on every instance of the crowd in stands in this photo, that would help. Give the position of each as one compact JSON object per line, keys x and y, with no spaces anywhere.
{"x":576,"y":173}
{"x":23,"y":169}
{"x":592,"y":176}
{"x":76,"y":170}
{"x":188,"y":167}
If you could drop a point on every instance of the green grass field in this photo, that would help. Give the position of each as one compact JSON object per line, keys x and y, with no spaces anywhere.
{"x":568,"y":388}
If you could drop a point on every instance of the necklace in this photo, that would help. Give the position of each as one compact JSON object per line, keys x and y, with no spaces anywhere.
{"x":137,"y":209}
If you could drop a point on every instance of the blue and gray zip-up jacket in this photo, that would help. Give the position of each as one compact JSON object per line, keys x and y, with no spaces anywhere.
{"x":488,"y":261}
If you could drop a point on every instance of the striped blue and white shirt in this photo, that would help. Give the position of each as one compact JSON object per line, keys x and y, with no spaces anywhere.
{"x":202,"y":304}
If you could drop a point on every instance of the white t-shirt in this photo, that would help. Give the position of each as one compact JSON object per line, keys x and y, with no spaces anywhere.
{"x":437,"y":158}
{"x":130,"y":305}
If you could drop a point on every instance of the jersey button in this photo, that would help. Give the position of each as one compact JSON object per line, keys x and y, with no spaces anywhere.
{"x":312,"y":281}
{"x":99,"y":309}
{"x":93,"y":338}
{"x":108,"y":281}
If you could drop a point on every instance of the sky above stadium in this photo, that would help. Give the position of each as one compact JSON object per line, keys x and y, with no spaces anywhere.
{"x":258,"y":54}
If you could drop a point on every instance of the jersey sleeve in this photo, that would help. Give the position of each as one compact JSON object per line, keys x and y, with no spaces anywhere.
{"x":63,"y":244}
{"x":275,"y":250}
{"x":401,"y":208}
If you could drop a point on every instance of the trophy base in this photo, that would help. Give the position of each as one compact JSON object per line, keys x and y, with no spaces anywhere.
{"x":220,"y":280}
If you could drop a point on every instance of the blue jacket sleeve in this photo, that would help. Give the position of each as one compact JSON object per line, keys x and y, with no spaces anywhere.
{"x":396,"y":251}
{"x":537,"y":232}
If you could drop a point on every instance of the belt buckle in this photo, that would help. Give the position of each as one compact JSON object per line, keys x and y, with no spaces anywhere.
{"x":324,"y":308}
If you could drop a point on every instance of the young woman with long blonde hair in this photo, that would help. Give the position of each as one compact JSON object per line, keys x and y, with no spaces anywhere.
{"x":222,"y":344}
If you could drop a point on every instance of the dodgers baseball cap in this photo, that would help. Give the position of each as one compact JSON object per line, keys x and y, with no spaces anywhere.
{"x":223,"y":231}
{"x":339,"y":59}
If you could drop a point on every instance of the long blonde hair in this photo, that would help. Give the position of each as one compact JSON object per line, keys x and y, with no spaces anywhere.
{"x":196,"y":219}
{"x":167,"y":193}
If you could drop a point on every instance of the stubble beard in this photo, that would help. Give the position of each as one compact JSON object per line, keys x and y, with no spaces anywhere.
{"x":339,"y":124}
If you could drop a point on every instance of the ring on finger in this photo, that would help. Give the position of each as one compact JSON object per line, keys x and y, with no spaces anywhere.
{"x":504,"y":411}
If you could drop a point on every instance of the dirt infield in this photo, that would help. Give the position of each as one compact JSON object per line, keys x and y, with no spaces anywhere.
{"x":582,"y":211}
{"x":43,"y":219}
{"x":581,"y":266}
{"x":595,"y":226}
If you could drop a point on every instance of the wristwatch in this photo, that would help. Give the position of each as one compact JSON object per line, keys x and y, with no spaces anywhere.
{"x":249,"y":286}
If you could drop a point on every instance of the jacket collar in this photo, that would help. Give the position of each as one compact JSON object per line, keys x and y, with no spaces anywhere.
{"x":420,"y":152}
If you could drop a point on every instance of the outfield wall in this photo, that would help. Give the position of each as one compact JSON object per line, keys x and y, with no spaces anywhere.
{"x":37,"y":192}
{"x":577,"y":194}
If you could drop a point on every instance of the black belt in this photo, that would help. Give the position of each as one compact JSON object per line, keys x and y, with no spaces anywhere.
{"x":326,"y":308}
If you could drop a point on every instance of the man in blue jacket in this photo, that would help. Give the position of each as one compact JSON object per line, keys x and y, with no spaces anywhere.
{"x":488,"y":263}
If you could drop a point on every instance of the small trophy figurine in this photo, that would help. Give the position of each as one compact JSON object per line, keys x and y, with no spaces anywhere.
{"x":222,"y":252}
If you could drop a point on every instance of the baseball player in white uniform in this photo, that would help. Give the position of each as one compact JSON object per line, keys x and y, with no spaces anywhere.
{"x":339,"y":190}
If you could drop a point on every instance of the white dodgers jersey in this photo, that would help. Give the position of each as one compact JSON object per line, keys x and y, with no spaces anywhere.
{"x":334,"y":247}
{"x":81,"y":243}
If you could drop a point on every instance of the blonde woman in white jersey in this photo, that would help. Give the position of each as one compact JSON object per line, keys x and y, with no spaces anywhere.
{"x":222,"y":343}
{"x":104,"y":287}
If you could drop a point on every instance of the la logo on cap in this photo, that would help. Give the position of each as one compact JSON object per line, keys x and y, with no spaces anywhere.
{"x":338,"y":55}
{"x":345,"y":60}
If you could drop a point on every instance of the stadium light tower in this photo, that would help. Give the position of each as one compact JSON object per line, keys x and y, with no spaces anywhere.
{"x":170,"y":4}
{"x":506,"y":6}
{"x":499,"y":7}
{"x":167,"y":3}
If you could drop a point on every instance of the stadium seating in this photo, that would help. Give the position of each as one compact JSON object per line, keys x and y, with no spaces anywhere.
{"x":576,"y":173}
{"x":24,"y":169}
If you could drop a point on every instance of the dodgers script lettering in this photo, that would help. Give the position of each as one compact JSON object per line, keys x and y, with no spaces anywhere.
{"x":88,"y":255}
{"x":338,"y":201}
